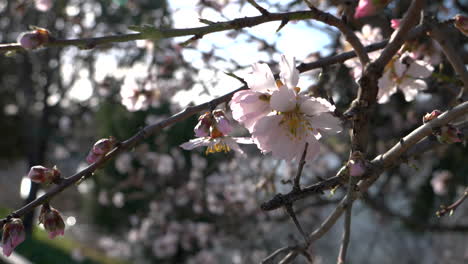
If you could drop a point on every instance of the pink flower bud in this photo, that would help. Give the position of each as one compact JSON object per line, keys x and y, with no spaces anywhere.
{"x":40,"y":174}
{"x":430,"y":116}
{"x":357,"y":168}
{"x":104,"y":145}
{"x":364,"y":8}
{"x":52,"y":221}
{"x":461,"y":23}
{"x":449,"y":134}
{"x":369,"y":7}
{"x":222,"y":123}
{"x":202,"y":129}
{"x":34,"y":39}
{"x":92,"y":157}
{"x":13,"y":235}
{"x":395,"y":23}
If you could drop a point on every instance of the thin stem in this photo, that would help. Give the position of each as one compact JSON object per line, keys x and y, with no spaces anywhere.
{"x":451,"y":208}
{"x":259,"y":8}
{"x":290,"y":211}
{"x":302,"y":162}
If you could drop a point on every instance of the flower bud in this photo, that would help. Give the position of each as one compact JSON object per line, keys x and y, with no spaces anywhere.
{"x":449,"y":134}
{"x":356,"y":165}
{"x":430,"y":116}
{"x":461,"y":23}
{"x":52,"y":221}
{"x":222,"y":123}
{"x":13,"y":235}
{"x":369,"y":7}
{"x":92,"y":157}
{"x":395,"y":23}
{"x":40,"y":174}
{"x":357,"y":168}
{"x":34,"y":39}
{"x":202,"y":129}
{"x":104,"y":145}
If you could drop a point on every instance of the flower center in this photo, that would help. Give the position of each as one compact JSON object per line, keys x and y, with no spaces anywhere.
{"x":217,"y":147}
{"x":295,"y":123}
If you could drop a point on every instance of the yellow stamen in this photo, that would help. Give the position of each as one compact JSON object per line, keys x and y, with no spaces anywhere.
{"x":279,"y":83}
{"x":218,"y":147}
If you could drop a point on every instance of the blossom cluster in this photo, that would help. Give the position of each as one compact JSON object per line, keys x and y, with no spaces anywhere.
{"x":405,"y":71}
{"x":281,"y":120}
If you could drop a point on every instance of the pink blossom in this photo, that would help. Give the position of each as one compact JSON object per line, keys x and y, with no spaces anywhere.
{"x":43,"y":5}
{"x":430,"y":116}
{"x":449,"y":134}
{"x":405,"y":74}
{"x":440,"y":181}
{"x":52,"y":221}
{"x":248,"y":106}
{"x":367,"y":36}
{"x":222,"y":123}
{"x":212,"y":132}
{"x":13,"y":235}
{"x":202,"y":129}
{"x":288,"y":120}
{"x":220,"y":144}
{"x":41,"y":174}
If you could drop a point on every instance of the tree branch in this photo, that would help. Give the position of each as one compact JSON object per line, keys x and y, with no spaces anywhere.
{"x":150,"y":32}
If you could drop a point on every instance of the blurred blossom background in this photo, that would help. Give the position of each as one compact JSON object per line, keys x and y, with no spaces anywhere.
{"x":162,"y":204}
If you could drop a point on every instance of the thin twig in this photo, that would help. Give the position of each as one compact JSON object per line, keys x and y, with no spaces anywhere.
{"x":347,"y":220}
{"x":451,"y":208}
{"x":259,"y":8}
{"x":302,"y":162}
{"x":269,"y":259}
{"x":290,"y":210}
{"x":150,"y":32}
{"x":344,"y":28}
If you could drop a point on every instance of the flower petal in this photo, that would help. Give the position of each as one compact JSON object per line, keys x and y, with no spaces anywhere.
{"x":247,"y":108}
{"x":420,"y":69}
{"x":261,"y":79}
{"x":410,"y":88}
{"x":283,"y":100}
{"x":326,"y":122}
{"x":316,"y":105}
{"x":195,"y":143}
{"x":289,"y":75}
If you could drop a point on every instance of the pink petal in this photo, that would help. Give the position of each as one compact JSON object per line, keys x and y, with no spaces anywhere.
{"x":283,"y":100}
{"x":247,"y":108}
{"x":410,"y":88}
{"x":288,"y":73}
{"x":261,"y":79}
{"x":195,"y":143}
{"x":326,"y":122}
{"x":316,"y":105}
{"x":420,"y":69}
